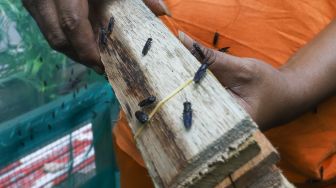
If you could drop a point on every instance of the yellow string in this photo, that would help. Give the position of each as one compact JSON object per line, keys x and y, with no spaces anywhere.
{"x":175,"y":92}
{"x":139,"y":131}
{"x":161,"y":103}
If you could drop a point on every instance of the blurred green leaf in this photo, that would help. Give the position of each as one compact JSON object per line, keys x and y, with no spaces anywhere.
{"x":32,"y":61}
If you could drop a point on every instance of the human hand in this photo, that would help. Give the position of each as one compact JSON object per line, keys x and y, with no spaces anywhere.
{"x":263,"y":91}
{"x":69,"y":27}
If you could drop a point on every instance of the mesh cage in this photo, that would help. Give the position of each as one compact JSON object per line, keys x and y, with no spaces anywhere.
{"x":66,"y":143}
{"x":31,"y":73}
{"x":67,"y":161}
{"x":56,"y":115}
{"x":19,"y":38}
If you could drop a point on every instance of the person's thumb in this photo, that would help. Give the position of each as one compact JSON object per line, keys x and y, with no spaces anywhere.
{"x":229,"y":70}
{"x":158,"y":7}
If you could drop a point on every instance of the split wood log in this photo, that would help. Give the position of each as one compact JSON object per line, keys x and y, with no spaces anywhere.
{"x":260,"y":171}
{"x":174,"y":156}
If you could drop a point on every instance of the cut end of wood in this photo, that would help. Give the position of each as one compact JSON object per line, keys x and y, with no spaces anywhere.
{"x":222,"y":165}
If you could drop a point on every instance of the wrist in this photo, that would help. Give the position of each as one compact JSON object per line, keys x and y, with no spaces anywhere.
{"x":294,"y":98}
{"x":278,"y":102}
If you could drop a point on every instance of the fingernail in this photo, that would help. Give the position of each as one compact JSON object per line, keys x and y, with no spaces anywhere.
{"x":185,"y":39}
{"x":165,"y":8}
{"x":181,"y":36}
{"x":98,"y":70}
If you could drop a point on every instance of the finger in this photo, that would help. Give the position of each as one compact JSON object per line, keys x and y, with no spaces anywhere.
{"x":45,"y":15}
{"x":228,"y":69}
{"x":204,"y":54}
{"x":73,"y":18}
{"x":158,"y":7}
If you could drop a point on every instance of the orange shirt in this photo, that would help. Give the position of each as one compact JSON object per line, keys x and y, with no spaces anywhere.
{"x":270,"y":30}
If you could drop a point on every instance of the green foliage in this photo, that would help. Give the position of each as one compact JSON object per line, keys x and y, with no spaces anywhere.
{"x":32,"y":59}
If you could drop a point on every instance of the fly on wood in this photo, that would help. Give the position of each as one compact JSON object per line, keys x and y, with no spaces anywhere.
{"x":201,"y":73}
{"x":110,"y":26}
{"x":187,"y":115}
{"x":147,"y":46}
{"x":142,"y":117}
{"x":147,"y":102}
{"x":102,"y":37}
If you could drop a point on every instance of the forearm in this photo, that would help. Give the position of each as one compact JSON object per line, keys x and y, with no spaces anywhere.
{"x":311,"y":72}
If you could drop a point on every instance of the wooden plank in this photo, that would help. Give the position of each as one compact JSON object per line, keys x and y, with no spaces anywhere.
{"x":268,"y":177}
{"x":273,"y":178}
{"x":260,"y":170}
{"x":237,"y":158}
{"x":255,"y":168}
{"x":172,"y":154}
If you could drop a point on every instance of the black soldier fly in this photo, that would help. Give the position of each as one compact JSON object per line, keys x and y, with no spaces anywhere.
{"x":201,"y":72}
{"x":199,"y":50}
{"x":215,"y":39}
{"x":147,"y":46}
{"x":187,"y":115}
{"x":147,"y":102}
{"x":110,"y":26}
{"x":102,"y":37}
{"x":224,"y":50}
{"x":141,"y":116}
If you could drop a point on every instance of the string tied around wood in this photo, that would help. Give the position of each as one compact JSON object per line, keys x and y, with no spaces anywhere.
{"x":200,"y":73}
